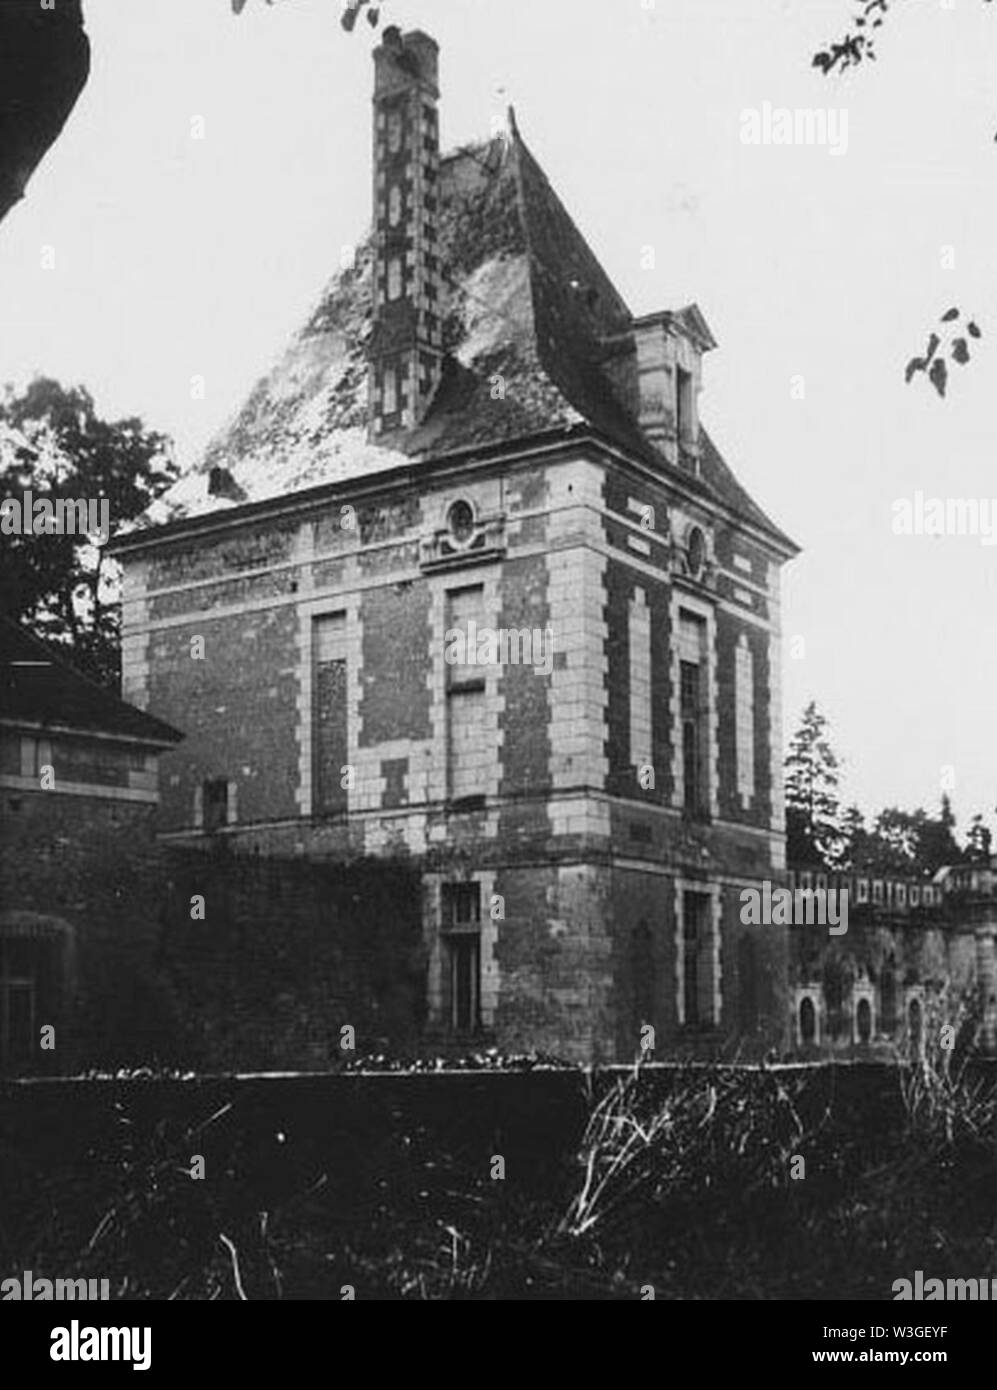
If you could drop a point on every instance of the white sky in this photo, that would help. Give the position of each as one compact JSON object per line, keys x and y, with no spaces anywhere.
{"x":177,"y":257}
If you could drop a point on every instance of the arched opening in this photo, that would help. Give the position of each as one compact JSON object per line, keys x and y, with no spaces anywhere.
{"x":914,"y":1024}
{"x":863,"y":1020}
{"x":808,"y":1020}
{"x":834,"y":994}
{"x":888,"y":998}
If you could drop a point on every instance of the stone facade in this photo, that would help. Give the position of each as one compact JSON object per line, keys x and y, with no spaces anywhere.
{"x":81,"y":872}
{"x":310,"y":676}
{"x":473,"y":435}
{"x":917,"y":958}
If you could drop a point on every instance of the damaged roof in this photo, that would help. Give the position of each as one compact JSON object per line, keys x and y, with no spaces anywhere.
{"x":536,"y":339}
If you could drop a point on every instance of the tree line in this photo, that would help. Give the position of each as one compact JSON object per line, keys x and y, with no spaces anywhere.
{"x":823,"y":834}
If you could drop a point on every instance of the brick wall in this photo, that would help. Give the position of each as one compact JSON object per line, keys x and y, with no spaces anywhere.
{"x":288,"y":953}
{"x":90,"y":863}
{"x":564,"y":549}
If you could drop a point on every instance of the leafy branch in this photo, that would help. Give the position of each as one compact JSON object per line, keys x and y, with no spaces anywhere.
{"x":933,"y":362}
{"x":354,"y":8}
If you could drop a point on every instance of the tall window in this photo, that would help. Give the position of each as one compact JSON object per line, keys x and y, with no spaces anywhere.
{"x":639,"y":631}
{"x":744,"y":727}
{"x":330,"y":744}
{"x":697,"y":959}
{"x":468,"y":754}
{"x":694,"y":712}
{"x":216,"y":802}
{"x":808,"y":1021}
{"x":18,"y":985}
{"x":462,"y":955}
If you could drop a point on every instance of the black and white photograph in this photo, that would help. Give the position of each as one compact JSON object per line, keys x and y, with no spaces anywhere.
{"x":498,"y":561}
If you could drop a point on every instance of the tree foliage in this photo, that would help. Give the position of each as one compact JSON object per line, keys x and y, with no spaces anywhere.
{"x":819,"y":834}
{"x":813,"y":832}
{"x":53,"y":443}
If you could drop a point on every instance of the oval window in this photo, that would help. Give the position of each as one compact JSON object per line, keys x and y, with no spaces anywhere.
{"x":460,"y":520}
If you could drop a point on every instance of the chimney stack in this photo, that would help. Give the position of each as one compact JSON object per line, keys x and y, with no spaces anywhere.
{"x":405,"y":355}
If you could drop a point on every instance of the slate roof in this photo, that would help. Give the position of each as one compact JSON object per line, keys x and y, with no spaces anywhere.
{"x":524,"y":298}
{"x":36,"y":687}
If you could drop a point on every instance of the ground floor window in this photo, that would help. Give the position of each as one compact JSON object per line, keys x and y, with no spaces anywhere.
{"x":17,"y":1021}
{"x":462,"y":956}
{"x":19,"y":970}
{"x":808,"y":1020}
{"x":697,"y":959}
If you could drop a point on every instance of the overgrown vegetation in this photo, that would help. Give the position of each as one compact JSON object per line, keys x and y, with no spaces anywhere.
{"x":701,"y":1182}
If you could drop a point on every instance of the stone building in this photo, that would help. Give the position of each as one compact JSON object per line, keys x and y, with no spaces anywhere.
{"x":917,"y":956}
{"x":467,"y":581}
{"x":79,"y":867}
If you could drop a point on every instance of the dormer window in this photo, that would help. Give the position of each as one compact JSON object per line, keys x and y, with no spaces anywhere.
{"x":669,"y":347}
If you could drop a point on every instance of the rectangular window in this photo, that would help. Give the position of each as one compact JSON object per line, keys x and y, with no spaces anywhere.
{"x":640,"y":679}
{"x":215,"y":804}
{"x":694,"y":713}
{"x":389,"y":405}
{"x":36,"y":753}
{"x":330,"y":751}
{"x":697,"y":959}
{"x":17,"y":1019}
{"x":469,"y":756}
{"x":462,"y":955}
{"x":744,"y":726}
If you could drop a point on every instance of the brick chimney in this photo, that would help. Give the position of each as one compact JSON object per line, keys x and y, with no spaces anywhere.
{"x":404,"y":358}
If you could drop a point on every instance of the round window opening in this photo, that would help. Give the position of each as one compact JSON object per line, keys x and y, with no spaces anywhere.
{"x":460,"y":519}
{"x":697,"y":552}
